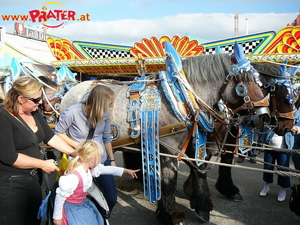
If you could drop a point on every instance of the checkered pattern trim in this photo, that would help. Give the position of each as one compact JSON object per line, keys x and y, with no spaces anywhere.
{"x":248,"y":47}
{"x":98,"y":53}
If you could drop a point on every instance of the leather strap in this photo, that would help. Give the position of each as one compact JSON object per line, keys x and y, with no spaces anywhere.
{"x":91,"y":133}
{"x":163,"y":131}
{"x":190,"y":135}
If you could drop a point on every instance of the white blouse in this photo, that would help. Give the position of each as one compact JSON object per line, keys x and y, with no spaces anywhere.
{"x":68,"y":184}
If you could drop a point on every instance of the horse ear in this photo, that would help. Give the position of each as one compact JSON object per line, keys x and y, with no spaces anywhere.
{"x":292,"y":70}
{"x":243,"y":63}
{"x":282,"y":68}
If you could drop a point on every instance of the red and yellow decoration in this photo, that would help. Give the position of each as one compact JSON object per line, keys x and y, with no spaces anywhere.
{"x":287,"y":40}
{"x":155,"y":48}
{"x":63,"y":49}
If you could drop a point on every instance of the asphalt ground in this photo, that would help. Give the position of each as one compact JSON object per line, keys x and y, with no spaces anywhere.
{"x":133,"y":209}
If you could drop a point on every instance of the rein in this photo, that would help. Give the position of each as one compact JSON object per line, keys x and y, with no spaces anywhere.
{"x":275,"y":112}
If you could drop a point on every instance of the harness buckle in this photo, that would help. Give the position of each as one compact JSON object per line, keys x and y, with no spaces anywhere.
{"x":248,"y":102}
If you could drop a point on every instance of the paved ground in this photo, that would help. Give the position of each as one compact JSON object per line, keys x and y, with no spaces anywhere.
{"x":133,"y":209}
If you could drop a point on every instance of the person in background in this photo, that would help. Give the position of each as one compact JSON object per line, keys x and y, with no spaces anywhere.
{"x":74,"y":126}
{"x":282,"y":158}
{"x":71,"y":205}
{"x":22,"y":129}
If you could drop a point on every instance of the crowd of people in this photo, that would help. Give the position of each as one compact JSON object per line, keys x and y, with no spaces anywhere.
{"x":82,"y":132}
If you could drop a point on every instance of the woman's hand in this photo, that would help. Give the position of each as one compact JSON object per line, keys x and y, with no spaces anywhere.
{"x":49,"y":166}
{"x":113,"y":163}
{"x":294,"y":129}
{"x":57,"y":222}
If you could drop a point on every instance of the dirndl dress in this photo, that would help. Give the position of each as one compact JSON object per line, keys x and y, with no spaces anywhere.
{"x":78,"y":210}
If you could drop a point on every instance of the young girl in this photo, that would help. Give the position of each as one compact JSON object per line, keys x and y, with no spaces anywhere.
{"x":71,"y":204}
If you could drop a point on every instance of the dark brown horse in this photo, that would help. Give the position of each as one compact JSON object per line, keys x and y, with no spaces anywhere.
{"x":282,"y":108}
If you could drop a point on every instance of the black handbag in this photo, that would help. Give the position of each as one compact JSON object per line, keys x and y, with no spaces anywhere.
{"x":95,"y":192}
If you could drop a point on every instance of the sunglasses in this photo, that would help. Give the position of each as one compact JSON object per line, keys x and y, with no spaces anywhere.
{"x":35,"y":100}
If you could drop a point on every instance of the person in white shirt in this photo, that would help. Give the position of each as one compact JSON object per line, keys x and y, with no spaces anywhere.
{"x":71,"y":205}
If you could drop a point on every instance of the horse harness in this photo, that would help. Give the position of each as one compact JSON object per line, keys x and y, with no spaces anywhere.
{"x":275,"y":113}
{"x":143,"y":116}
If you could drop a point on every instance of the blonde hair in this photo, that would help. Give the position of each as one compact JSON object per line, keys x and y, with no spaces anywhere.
{"x":97,"y":103}
{"x":26,"y":86}
{"x":86,"y":150}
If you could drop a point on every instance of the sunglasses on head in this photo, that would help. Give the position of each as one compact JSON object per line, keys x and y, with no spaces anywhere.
{"x":35,"y":100}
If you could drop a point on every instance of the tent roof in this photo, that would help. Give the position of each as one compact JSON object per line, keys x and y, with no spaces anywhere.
{"x":200,"y":40}
{"x":36,"y":50}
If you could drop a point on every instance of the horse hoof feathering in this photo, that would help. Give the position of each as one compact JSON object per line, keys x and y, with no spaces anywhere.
{"x":203,"y":215}
{"x":235,"y":198}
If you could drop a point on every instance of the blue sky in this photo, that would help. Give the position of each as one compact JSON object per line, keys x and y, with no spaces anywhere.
{"x":126,"y":22}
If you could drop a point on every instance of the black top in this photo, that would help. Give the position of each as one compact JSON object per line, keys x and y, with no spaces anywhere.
{"x":16,"y":138}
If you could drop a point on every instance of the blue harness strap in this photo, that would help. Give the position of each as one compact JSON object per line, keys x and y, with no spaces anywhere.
{"x":175,"y":105}
{"x":134,"y":107}
{"x":200,"y":145}
{"x":150,"y":107}
{"x":177,"y":94}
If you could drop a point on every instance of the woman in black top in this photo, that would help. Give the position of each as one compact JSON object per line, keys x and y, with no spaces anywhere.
{"x":22,"y":129}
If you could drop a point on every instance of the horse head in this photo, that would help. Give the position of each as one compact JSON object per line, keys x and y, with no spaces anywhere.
{"x":242,"y":91}
{"x":277,"y":84}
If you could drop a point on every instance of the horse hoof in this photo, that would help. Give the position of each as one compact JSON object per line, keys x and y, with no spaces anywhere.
{"x":235,"y":198}
{"x":203,"y":215}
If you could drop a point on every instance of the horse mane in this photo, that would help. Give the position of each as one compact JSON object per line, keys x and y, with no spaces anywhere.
{"x":210,"y":69}
{"x":206,"y":68}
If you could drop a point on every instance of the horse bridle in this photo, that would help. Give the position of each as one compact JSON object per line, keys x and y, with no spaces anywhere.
{"x":275,"y":113}
{"x":260,"y":107}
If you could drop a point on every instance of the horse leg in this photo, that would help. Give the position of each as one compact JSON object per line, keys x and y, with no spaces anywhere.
{"x":133,"y":160}
{"x":196,"y":188}
{"x":167,"y":212}
{"x":224,"y":183}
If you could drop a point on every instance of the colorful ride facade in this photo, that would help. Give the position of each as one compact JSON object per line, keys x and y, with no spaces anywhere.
{"x":100,"y":59}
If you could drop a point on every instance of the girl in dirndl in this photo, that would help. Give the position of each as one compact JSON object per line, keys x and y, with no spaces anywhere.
{"x":71,"y":205}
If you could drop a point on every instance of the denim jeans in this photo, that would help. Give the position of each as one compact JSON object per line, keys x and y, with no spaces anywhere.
{"x":283,"y":159}
{"x":20,"y":199}
{"x":108,"y":186}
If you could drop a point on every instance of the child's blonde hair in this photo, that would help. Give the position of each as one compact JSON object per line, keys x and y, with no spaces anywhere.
{"x":86,"y":150}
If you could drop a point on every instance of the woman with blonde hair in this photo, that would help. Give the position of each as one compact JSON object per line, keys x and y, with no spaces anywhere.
{"x":76,"y":123}
{"x":71,"y":205}
{"x":23,"y":128}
